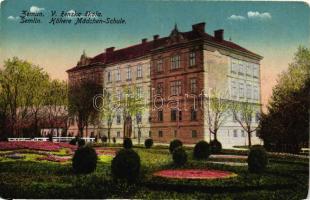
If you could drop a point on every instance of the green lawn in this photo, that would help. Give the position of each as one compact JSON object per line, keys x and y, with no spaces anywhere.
{"x":30,"y":178}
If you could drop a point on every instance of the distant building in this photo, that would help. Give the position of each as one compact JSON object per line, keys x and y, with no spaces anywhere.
{"x":175,"y":68}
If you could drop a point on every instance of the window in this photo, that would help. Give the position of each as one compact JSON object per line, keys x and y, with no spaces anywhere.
{"x":234,"y":66}
{"x":160,"y":88}
{"x":193,"y":114}
{"x":241,"y":90}
{"x":180,"y":115}
{"x":255,"y":91}
{"x":139,"y":92}
{"x":160,"y":116}
{"x":159,"y":65}
{"x":128,"y":73}
{"x":241,"y":68}
{"x":139,"y":71}
{"x":119,"y":95}
{"x":242,"y":133}
{"x":139,"y":118}
{"x":175,"y":88}
{"x":234,"y":89}
{"x":160,"y":133}
{"x":173,"y":115}
{"x":194,"y":133}
{"x":193,"y":86}
{"x":248,"y":91}
{"x":248,"y":69}
{"x":257,"y":117}
{"x":118,"y":119}
{"x":235,"y":115}
{"x":175,"y":62}
{"x":256,"y":71}
{"x":118,"y":134}
{"x":192,"y":59}
{"x":235,"y":133}
{"x":175,"y":133}
{"x":118,"y":74}
{"x":109,"y":77}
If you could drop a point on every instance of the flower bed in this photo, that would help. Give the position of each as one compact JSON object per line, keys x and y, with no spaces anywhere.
{"x":106,"y":151}
{"x":194,"y":174}
{"x":34,"y":145}
{"x":54,"y":158}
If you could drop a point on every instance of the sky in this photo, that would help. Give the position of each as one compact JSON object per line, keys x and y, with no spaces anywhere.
{"x":274,"y":30}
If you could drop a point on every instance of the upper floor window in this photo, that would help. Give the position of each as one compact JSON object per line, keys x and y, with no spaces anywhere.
{"x":235,"y":133}
{"x":192,"y":59}
{"x":139,"y":92}
{"x":241,"y":90}
{"x":160,"y":88}
{"x":159,"y":65}
{"x":160,"y":116}
{"x":194,"y":133}
{"x":257,"y":117}
{"x":118,"y":74}
{"x":234,"y":66}
{"x":139,"y":71}
{"x":175,"y":62}
{"x":256,"y":71}
{"x":119,"y":95}
{"x":241,"y":68}
{"x":193,"y":114}
{"x":139,"y":118}
{"x":248,"y":69}
{"x":118,"y":118}
{"x":173,"y":115}
{"x":175,"y":88}
{"x":193,"y":85}
{"x":248,"y":91}
{"x":234,"y":90}
{"x":109,"y":77}
{"x":255,"y":91}
{"x":128,"y":73}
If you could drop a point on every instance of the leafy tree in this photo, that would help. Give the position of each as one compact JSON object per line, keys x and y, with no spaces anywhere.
{"x":243,"y":113}
{"x":81,"y":96}
{"x":216,"y":110}
{"x":286,"y":125}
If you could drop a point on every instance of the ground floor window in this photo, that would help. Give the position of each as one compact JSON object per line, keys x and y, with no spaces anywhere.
{"x":194,"y":133}
{"x":150,"y":133}
{"x":118,"y":134}
{"x":175,"y":133}
{"x":235,"y":133}
{"x":160,"y":133}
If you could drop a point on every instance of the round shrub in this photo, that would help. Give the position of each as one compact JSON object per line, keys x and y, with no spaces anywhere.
{"x":148,"y":143}
{"x":202,"y":150}
{"x":179,"y":156}
{"x":114,"y":140}
{"x":84,"y":160}
{"x":257,"y":159}
{"x":174,"y":144}
{"x":127,"y":143}
{"x":215,"y":146}
{"x":81,"y":142}
{"x":104,"y":139}
{"x":126,"y":165}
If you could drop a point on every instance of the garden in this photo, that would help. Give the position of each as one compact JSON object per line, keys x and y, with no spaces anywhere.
{"x":33,"y":169}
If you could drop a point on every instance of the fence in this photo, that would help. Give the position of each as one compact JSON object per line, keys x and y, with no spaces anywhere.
{"x":55,"y":139}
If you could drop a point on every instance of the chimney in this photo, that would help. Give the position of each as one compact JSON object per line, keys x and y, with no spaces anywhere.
{"x":219,"y":35}
{"x":144,"y":40}
{"x":199,"y":28}
{"x":155,"y":37}
{"x":109,"y":50}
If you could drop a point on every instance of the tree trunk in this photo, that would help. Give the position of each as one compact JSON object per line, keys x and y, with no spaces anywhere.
{"x":109,"y":131}
{"x":249,"y":139}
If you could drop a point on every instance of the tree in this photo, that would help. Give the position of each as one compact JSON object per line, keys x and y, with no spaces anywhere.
{"x":243,"y":113}
{"x":217,"y":110}
{"x":285,"y":127}
{"x":81,"y":96}
{"x":22,"y":84}
{"x":108,"y":110}
{"x":130,"y":105}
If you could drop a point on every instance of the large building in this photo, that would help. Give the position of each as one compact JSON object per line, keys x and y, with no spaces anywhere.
{"x":171,"y":73}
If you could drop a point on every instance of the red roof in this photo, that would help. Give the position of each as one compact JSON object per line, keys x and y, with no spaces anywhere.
{"x":142,"y":49}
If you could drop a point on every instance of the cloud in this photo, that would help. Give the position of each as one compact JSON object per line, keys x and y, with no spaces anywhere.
{"x":35,"y":9}
{"x":236,"y":17}
{"x":258,"y":15}
{"x":12,"y":18}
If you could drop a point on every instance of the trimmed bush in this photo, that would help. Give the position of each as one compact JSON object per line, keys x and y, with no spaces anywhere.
{"x":148,"y":143}
{"x":257,"y":159}
{"x":104,"y":139}
{"x":174,"y":144}
{"x":81,"y":142}
{"x":114,"y":140}
{"x":215,"y":146}
{"x":127,"y":143}
{"x":50,"y":137}
{"x":84,"y":160}
{"x":179,"y":156}
{"x":202,"y":150}
{"x":126,"y":165}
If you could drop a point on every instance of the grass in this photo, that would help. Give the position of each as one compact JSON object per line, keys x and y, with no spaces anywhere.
{"x":30,"y":178}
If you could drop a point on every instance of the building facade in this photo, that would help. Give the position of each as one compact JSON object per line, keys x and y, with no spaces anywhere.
{"x":172,"y":73}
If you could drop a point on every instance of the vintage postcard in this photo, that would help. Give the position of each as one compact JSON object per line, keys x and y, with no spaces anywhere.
{"x":157,"y":99}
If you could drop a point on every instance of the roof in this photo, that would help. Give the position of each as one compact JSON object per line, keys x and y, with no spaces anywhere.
{"x":142,"y":49}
